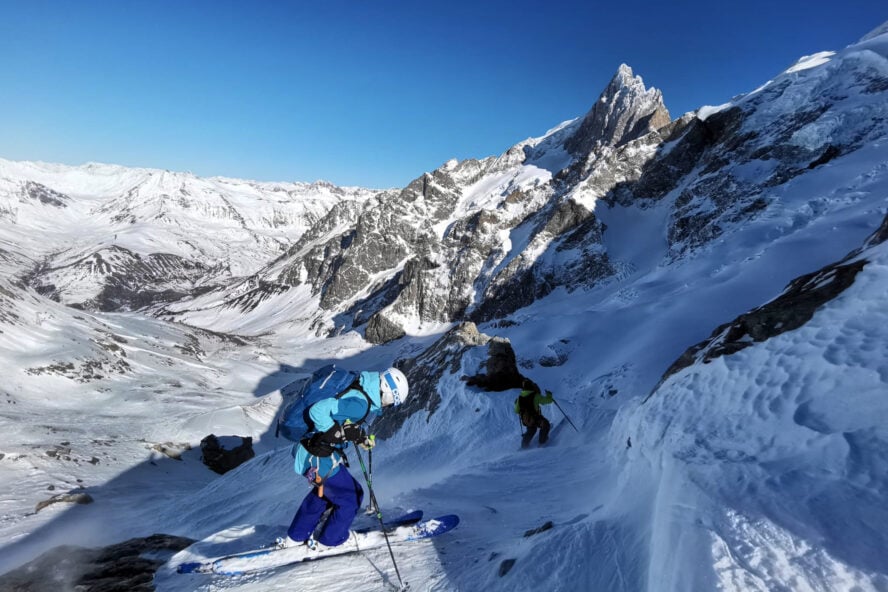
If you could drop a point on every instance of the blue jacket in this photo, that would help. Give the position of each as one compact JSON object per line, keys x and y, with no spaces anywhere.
{"x":350,"y":407}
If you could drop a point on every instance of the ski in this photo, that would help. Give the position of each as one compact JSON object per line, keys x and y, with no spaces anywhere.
{"x":410,"y":518}
{"x":390,"y":525}
{"x":272,"y":557}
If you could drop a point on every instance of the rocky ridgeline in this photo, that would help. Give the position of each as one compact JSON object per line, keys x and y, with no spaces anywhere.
{"x":377,"y":262}
{"x":479,"y":239}
{"x":424,"y":254}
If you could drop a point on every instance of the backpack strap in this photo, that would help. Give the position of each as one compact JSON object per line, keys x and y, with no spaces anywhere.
{"x":356,"y":385}
{"x":314,"y":476}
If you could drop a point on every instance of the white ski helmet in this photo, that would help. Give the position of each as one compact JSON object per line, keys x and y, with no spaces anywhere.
{"x":393,"y":386}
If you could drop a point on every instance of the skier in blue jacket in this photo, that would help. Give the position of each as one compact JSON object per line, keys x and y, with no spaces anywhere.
{"x":320,"y":457}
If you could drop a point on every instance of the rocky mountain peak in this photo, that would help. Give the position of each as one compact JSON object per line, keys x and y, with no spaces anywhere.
{"x":625,"y":111}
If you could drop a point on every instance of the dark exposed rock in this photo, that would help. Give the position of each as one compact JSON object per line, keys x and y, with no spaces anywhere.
{"x":223,"y":455}
{"x":72,"y":497}
{"x":567,"y":215}
{"x":693,"y":137}
{"x":125,"y":567}
{"x":877,"y":237}
{"x":549,"y":525}
{"x":789,"y":311}
{"x":365,"y":309}
{"x":421,"y":295}
{"x":382,"y":239}
{"x":514,"y":290}
{"x":506,"y":566}
{"x":624,"y":112}
{"x":261,"y":291}
{"x":129,"y":281}
{"x":501,"y":369}
{"x":87,"y":370}
{"x":828,"y":154}
{"x":566,"y":227}
{"x":45,"y":195}
{"x":382,"y":330}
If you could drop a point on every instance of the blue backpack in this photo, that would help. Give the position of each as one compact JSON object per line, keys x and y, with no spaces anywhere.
{"x":325,"y":383}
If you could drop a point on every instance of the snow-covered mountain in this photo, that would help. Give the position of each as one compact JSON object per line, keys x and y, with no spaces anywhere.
{"x":111,"y":238}
{"x":705,"y":296}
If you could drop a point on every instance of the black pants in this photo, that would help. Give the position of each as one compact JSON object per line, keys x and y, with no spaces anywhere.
{"x":532,"y":423}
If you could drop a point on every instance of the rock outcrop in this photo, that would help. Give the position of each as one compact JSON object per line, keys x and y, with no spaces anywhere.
{"x":790,"y":310}
{"x":226,"y":453}
{"x":129,"y":566}
{"x":501,"y":368}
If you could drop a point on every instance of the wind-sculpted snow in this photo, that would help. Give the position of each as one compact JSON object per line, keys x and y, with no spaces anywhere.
{"x":789,"y":311}
{"x":781,"y":446}
{"x":756,"y":464}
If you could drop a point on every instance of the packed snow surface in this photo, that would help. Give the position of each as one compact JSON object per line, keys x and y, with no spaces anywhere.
{"x":763,"y":470}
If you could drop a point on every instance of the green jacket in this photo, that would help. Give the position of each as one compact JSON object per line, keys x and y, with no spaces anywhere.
{"x":523,"y":401}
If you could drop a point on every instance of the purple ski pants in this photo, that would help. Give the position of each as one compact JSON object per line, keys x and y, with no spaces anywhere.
{"x":344,"y":495}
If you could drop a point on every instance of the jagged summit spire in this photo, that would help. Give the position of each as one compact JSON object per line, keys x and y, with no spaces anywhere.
{"x":624,"y":73}
{"x":626,"y":110}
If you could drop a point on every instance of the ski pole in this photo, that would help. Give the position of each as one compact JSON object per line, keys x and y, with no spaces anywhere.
{"x":372,"y":508}
{"x":565,"y":415}
{"x":379,"y":515}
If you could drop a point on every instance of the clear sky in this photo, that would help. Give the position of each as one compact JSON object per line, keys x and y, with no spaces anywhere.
{"x":362,"y":92}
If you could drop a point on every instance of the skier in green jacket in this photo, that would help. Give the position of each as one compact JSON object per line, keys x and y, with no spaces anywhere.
{"x":527,"y":406}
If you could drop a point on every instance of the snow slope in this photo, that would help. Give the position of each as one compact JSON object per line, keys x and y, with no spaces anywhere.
{"x":762,"y":470}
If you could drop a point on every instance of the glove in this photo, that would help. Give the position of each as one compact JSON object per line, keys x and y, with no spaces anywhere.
{"x":317,"y":445}
{"x":338,"y":434}
{"x":353,"y":433}
{"x":368,"y":443}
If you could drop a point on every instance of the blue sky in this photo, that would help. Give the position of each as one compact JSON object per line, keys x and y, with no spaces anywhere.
{"x":361,"y":92}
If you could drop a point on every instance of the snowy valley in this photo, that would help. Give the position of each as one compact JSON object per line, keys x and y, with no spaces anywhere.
{"x":705,"y":295}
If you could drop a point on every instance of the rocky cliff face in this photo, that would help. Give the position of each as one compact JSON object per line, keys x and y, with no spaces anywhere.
{"x":476,"y":239}
{"x":625,"y":111}
{"x":423,"y":373}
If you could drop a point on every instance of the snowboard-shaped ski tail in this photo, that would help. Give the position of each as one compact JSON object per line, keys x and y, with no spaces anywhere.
{"x":272,"y":558}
